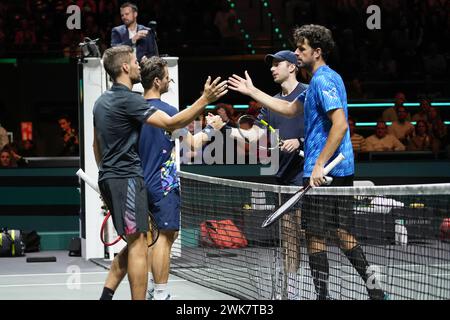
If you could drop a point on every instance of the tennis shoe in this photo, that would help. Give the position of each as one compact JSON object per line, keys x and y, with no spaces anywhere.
{"x":151,"y":294}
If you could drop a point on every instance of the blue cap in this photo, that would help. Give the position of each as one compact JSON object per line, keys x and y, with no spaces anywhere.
{"x":284,"y":55}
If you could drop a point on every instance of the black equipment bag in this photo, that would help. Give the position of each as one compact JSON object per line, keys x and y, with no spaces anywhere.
{"x":32,"y":241}
{"x":11,"y":243}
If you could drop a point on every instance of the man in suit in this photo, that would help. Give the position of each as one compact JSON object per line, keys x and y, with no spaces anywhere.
{"x":139,"y":37}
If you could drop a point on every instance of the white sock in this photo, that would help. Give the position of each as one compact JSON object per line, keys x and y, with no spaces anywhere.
{"x":151,"y":282}
{"x":160,"y":291}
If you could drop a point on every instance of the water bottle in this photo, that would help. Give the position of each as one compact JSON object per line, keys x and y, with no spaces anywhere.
{"x":401,"y":234}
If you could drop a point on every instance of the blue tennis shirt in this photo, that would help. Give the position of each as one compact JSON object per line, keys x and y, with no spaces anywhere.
{"x":156,"y":149}
{"x":326,"y":92}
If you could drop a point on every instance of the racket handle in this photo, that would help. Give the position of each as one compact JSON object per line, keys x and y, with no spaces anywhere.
{"x":88,"y":180}
{"x":333,"y":164}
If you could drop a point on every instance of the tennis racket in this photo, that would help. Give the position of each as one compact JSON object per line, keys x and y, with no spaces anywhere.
{"x":285,"y":207}
{"x":248,"y":120}
{"x":152,"y":234}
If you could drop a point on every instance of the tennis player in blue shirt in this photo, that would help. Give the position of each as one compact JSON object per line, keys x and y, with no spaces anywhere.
{"x":157,"y":152}
{"x":324,"y":104}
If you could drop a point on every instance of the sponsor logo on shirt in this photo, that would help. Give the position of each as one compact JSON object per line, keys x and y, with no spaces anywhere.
{"x":332,"y":93}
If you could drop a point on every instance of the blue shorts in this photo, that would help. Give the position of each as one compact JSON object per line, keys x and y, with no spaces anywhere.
{"x":167,"y":211}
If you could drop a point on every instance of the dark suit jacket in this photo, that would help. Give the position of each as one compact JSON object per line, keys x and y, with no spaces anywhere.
{"x":144,"y":47}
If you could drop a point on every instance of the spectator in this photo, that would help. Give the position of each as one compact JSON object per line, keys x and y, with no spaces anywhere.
{"x":382,"y":141}
{"x":390,"y":114}
{"x":421,"y":141}
{"x":226,"y":112}
{"x":358,"y":141}
{"x":423,"y":112}
{"x":5,"y":159}
{"x":15,"y":159}
{"x":28,"y":149}
{"x":4,"y":139}
{"x":438,"y":130}
{"x":70,"y":137}
{"x":402,"y":129}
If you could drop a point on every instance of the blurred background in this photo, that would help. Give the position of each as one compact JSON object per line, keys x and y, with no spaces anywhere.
{"x":406,"y":60}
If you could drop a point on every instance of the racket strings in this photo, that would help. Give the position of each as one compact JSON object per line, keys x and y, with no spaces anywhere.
{"x":271,"y":132}
{"x":153,"y":231}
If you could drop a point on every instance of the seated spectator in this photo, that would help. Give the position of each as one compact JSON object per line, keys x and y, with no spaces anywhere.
{"x":10,"y":158}
{"x":358,"y":141}
{"x":382,"y":141}
{"x":254,"y":108}
{"x":421,"y":141}
{"x":226,"y":112}
{"x":423,"y":112}
{"x":402,"y":129}
{"x":5,"y":159}
{"x":390,"y":114}
{"x":4,"y":139}
{"x":438,"y":130}
{"x":70,"y":137}
{"x":27,"y":149}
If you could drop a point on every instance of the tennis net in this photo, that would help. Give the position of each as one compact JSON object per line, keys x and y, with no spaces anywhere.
{"x":402,"y":232}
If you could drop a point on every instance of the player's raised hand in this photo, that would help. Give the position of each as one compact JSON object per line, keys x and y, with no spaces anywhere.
{"x":239,"y":84}
{"x":214,"y":90}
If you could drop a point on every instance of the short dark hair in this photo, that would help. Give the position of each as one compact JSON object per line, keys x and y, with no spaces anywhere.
{"x":114,"y":57}
{"x":317,"y":36}
{"x":152,"y":68}
{"x":65,"y":117}
{"x":130,"y":5}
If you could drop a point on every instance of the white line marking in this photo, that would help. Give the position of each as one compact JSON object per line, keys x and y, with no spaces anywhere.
{"x":49,"y":274}
{"x":65,"y":284}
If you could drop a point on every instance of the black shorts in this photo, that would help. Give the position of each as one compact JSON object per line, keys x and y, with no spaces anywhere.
{"x":323,"y":214}
{"x":126,"y":199}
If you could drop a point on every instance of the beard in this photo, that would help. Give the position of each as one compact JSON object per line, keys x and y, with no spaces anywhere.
{"x":135,"y":79}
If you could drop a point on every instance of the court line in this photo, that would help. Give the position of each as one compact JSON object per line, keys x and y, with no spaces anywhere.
{"x":69,"y":284}
{"x":50,"y":274}
{"x":53,"y":284}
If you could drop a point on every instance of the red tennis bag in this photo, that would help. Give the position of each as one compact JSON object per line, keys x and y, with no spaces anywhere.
{"x":221,"y":234}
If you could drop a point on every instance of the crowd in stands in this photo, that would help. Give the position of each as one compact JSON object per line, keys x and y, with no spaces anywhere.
{"x":396,"y":130}
{"x":15,"y":153}
{"x":429,"y":133}
{"x":413,"y":42}
{"x":38,"y":27}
